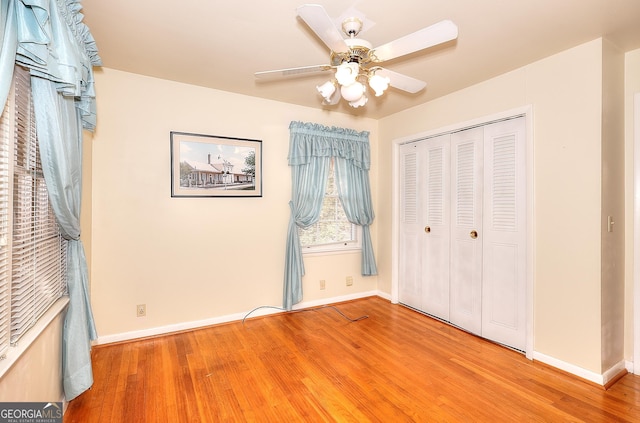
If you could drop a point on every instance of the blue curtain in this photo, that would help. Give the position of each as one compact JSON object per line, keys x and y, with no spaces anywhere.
{"x":51,"y":40}
{"x":8,"y":45}
{"x":355,"y":195}
{"x":311,"y":147}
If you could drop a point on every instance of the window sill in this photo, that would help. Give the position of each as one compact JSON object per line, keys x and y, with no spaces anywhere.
{"x":313,"y":253}
{"x":14,"y":353}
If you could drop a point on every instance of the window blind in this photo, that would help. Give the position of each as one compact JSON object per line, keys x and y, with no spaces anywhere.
{"x":38,"y":252}
{"x":5,"y":280}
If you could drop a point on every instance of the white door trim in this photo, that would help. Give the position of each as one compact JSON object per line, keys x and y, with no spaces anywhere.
{"x":636,"y":234}
{"x":527,"y":112}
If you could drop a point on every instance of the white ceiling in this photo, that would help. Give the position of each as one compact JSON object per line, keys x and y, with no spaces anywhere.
{"x":220,"y":44}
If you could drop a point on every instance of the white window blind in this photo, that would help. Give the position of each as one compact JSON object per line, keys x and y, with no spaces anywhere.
{"x":38,"y":251}
{"x":5,"y":280}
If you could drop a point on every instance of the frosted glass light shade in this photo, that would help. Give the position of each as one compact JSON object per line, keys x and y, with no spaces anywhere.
{"x":379,"y":84}
{"x":326,"y":90}
{"x":359,"y":102}
{"x":347,"y":73}
{"x":352,"y":92}
{"x":335,"y":99}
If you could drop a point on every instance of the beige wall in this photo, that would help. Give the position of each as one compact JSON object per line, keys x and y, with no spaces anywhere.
{"x":192,"y":259}
{"x":632,"y":86}
{"x":37,"y":374}
{"x":565,"y":92}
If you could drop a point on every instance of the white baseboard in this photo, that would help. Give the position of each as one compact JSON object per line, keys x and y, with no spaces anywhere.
{"x":258,"y":311}
{"x":629,"y":366}
{"x":600,"y":379}
{"x":384,"y":295}
{"x":613,"y":372}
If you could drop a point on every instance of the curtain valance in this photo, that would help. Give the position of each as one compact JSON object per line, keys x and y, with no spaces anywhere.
{"x":315,"y":140}
{"x":49,"y":38}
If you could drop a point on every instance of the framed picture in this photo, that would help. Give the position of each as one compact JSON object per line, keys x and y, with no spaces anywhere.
{"x":213,"y":166}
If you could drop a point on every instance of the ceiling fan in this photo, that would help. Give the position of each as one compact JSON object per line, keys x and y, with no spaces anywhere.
{"x":355,"y":61}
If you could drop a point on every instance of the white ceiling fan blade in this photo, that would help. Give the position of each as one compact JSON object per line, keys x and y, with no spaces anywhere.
{"x":319,"y":21}
{"x":427,"y":37}
{"x":292,"y":72}
{"x":402,"y":82}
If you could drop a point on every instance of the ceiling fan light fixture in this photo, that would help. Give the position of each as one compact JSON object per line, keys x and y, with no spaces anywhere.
{"x":354,"y":60}
{"x":347,"y":72}
{"x":379,"y":84}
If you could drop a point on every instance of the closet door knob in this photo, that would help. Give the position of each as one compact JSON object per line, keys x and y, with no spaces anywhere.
{"x":473,"y":234}
{"x":427,"y":229}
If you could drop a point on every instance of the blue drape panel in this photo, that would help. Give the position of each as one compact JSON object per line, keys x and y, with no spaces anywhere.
{"x":311,"y":147}
{"x":355,"y":195}
{"x":49,"y":38}
{"x":60,"y":142}
{"x":309,"y":183}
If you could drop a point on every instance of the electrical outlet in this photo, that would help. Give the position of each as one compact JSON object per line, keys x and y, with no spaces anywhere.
{"x":349,"y":280}
{"x":141,"y":310}
{"x":323,"y":284}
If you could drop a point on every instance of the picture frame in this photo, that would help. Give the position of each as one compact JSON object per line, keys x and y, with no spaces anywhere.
{"x":215,"y":166}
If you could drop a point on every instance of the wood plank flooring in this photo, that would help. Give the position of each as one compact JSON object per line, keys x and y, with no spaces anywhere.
{"x":397,"y":365}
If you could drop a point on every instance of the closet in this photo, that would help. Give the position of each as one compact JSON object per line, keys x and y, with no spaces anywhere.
{"x":462,"y":229}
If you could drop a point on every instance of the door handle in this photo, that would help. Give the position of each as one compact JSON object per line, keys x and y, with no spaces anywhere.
{"x":473,"y":234}
{"x":427,"y":229}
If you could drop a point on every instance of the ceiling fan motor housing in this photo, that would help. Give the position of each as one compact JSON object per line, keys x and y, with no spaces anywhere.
{"x":359,"y":52}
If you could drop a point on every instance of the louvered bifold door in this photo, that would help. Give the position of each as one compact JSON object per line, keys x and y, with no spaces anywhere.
{"x":504,"y":240}
{"x":410,"y":249}
{"x":465,"y":299}
{"x":436,"y":232}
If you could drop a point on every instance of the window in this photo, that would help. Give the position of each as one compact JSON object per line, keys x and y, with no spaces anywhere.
{"x":333,"y":232}
{"x":32,"y":251}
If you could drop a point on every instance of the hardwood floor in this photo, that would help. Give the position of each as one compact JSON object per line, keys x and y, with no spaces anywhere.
{"x":316,"y":366}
